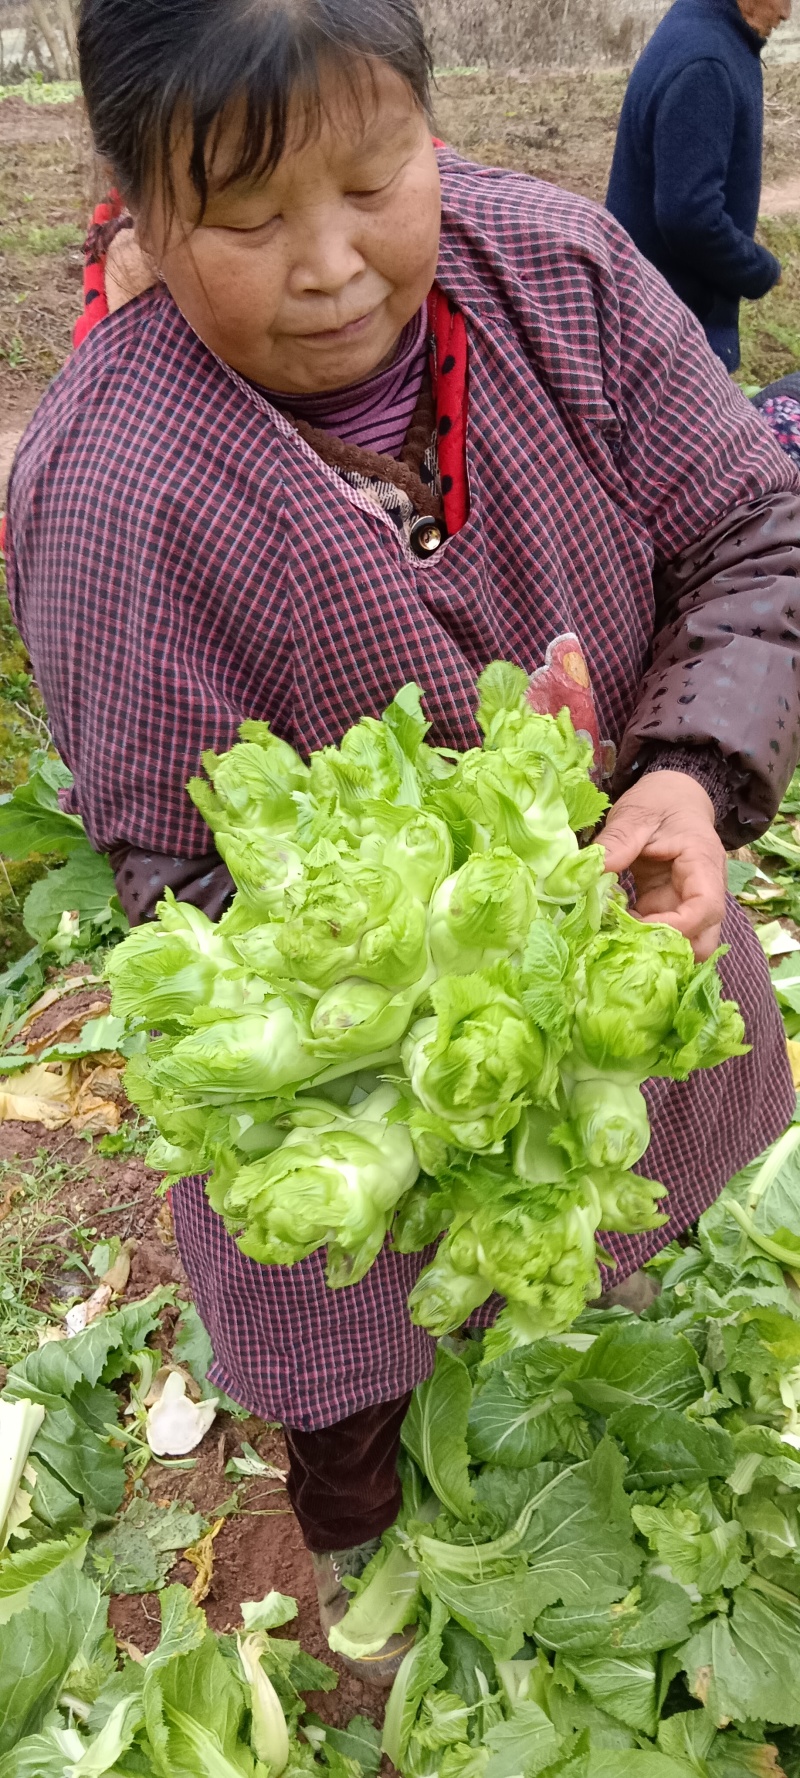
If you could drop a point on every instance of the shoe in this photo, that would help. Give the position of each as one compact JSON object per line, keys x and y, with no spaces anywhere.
{"x":380,"y":1669}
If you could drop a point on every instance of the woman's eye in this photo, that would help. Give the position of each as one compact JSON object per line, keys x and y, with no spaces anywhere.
{"x":247,"y":228}
{"x":370,"y":191}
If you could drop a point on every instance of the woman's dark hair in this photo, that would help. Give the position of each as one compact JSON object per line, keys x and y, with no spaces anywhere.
{"x":149,"y":67}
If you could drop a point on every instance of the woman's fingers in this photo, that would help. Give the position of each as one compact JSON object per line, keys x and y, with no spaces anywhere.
{"x":663,"y":831}
{"x":688,"y":891}
{"x":626,"y":836}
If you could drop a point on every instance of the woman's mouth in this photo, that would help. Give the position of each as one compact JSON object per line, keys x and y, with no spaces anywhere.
{"x":332,"y":336}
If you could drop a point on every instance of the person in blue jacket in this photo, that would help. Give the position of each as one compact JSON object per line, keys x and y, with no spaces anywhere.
{"x":686,"y":175}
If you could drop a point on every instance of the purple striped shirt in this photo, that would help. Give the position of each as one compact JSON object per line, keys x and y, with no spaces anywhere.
{"x":375,"y":414}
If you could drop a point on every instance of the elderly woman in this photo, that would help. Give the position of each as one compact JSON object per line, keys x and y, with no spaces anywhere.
{"x":386,"y":415}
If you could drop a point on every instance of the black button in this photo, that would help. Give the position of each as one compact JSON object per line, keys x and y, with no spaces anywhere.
{"x":426,"y":536}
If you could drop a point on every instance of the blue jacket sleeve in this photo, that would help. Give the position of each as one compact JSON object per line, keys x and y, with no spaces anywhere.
{"x":692,"y":143}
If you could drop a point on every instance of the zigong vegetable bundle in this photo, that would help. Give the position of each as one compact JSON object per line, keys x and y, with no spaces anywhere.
{"x":426,"y":1009}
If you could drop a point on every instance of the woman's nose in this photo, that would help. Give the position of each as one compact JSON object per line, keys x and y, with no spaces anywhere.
{"x":327,"y":257}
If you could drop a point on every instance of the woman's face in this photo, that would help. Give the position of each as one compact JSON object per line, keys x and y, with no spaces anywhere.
{"x":304,"y":281}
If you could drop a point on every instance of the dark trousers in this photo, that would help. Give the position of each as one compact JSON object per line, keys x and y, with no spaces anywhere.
{"x":343,"y":1481}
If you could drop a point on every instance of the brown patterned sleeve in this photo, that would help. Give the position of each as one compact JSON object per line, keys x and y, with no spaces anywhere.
{"x":726,"y":661}
{"x":141,"y":878}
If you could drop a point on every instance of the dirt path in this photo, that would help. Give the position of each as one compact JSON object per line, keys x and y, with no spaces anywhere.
{"x":15,"y":412}
{"x":8,"y":445}
{"x":10,"y":435}
{"x":782,"y":199}
{"x":23,"y":123}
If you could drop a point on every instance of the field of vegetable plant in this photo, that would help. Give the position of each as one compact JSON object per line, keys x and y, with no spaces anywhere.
{"x":599,"y":1543}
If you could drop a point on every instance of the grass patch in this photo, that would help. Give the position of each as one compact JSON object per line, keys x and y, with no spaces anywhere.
{"x":23,"y":724}
{"x":23,"y":727}
{"x":37,"y":238}
{"x":37,"y":1244}
{"x":771,"y":328}
{"x":42,"y":92}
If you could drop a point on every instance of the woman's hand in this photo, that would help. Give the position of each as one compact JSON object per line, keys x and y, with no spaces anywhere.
{"x":663,"y":832}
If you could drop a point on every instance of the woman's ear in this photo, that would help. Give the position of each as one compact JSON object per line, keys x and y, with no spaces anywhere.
{"x":129,"y":270}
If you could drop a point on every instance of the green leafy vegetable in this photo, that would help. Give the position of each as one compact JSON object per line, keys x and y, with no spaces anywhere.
{"x":429,"y":920}
{"x":337,"y":1186}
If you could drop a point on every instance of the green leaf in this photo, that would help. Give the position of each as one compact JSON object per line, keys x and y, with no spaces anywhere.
{"x":640,"y":1363}
{"x":98,"y":1035}
{"x":745,"y":1668}
{"x":666,"y":1447}
{"x":525,"y":1408}
{"x":419,"y":1673}
{"x":692,"y":1736}
{"x":303,"y":1671}
{"x":20,"y":1572}
{"x":199,"y":1688}
{"x":268,"y":1613}
{"x":765,"y":1197}
{"x":622,"y":1685}
{"x":138,"y":1553}
{"x":579,"y":1541}
{"x":739,"y":875}
{"x":196,"y":1750}
{"x":124,"y":1682}
{"x":524,"y":1745}
{"x":612,"y":1764}
{"x":46,"y":1755}
{"x":573,"y":1713}
{"x":114,"y":1739}
{"x":100,"y":1354}
{"x":54,"y":1503}
{"x":586,"y":804}
{"x":183,"y":1627}
{"x":689,"y":1736}
{"x":435,"y":1433}
{"x":732,"y":1756}
{"x":502,"y":686}
{"x":84,"y":885}
{"x":546,"y":962}
{"x":785,"y":979}
{"x":657,"y":1616}
{"x":384,"y":1601}
{"x":192,"y":1348}
{"x":90,"y":1466}
{"x":497,"y":1611}
{"x":31,"y":819}
{"x":700,"y":1549}
{"x":404,"y":719}
{"x":360,"y":1741}
{"x":192,"y":1345}
{"x":38,"y":1648}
